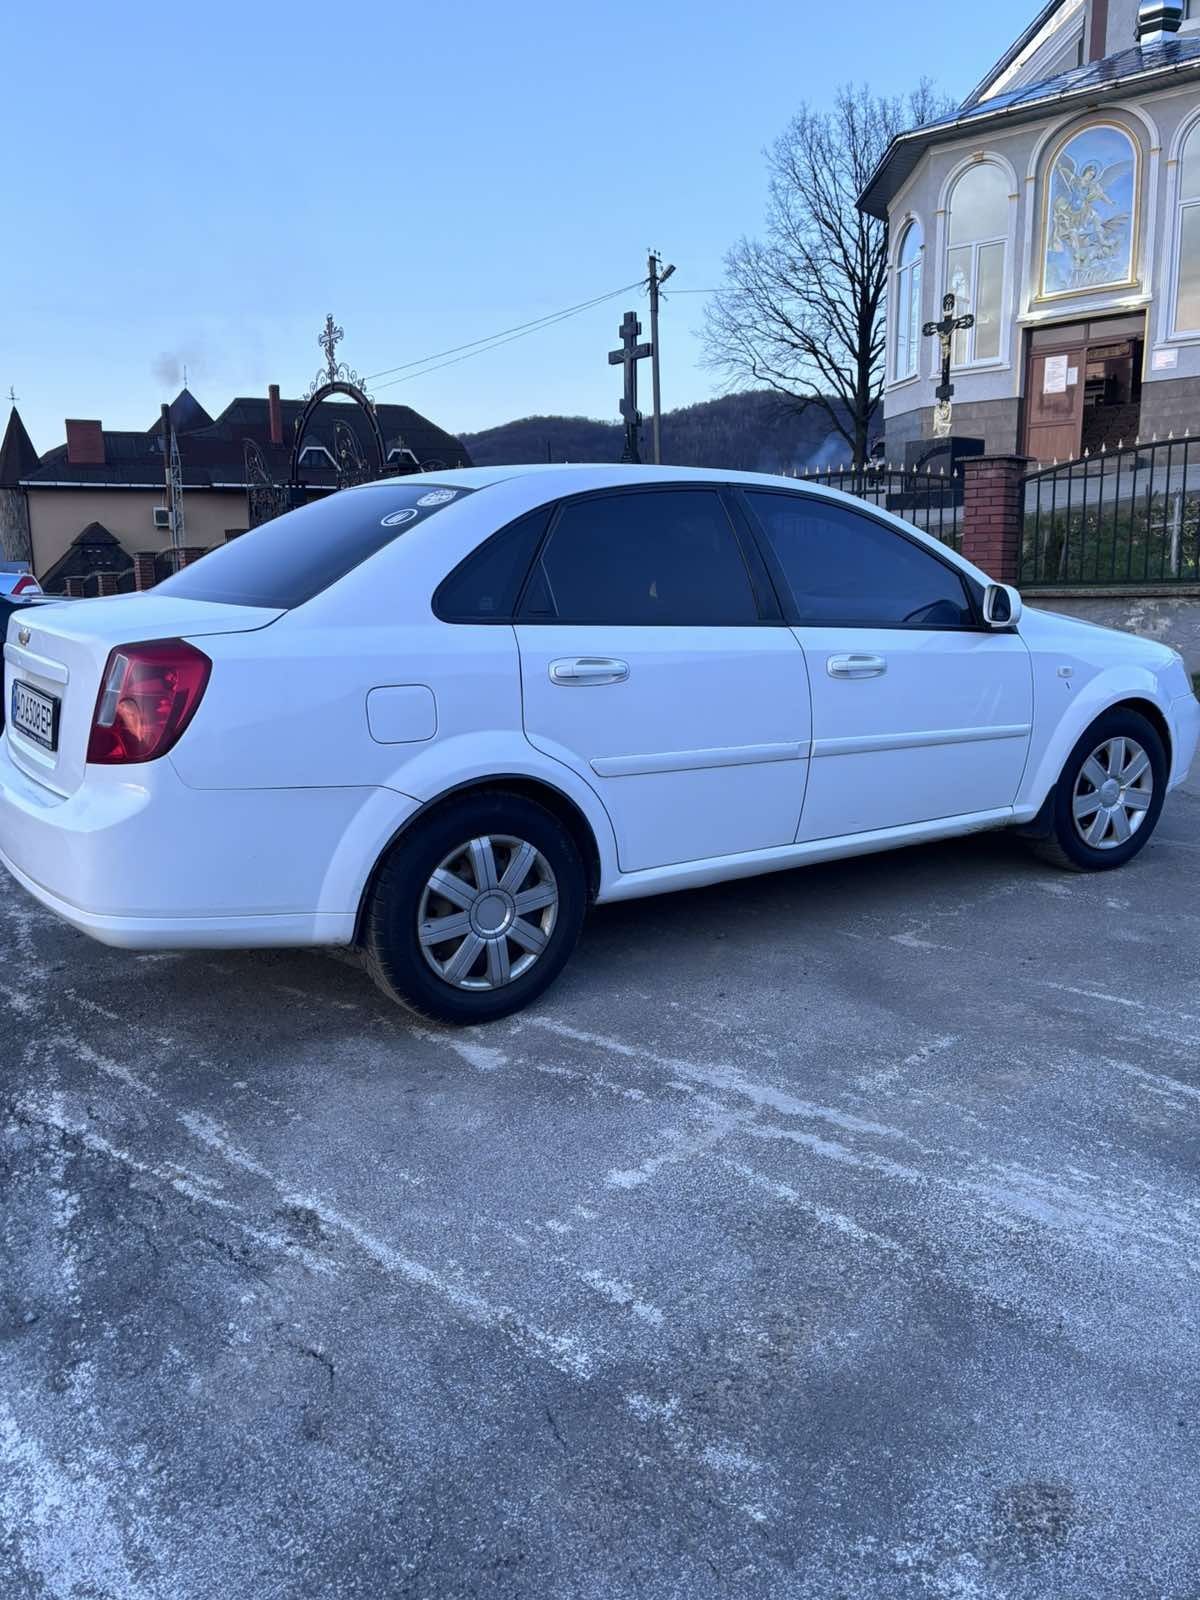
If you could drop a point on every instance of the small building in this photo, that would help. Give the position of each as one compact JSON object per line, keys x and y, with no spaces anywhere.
{"x":89,"y":506}
{"x":1060,"y":205}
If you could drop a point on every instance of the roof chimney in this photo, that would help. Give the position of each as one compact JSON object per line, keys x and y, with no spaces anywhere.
{"x":85,"y":443}
{"x":275,"y":414}
{"x":1158,"y":20}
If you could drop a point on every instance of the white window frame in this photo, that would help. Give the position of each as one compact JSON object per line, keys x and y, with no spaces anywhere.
{"x":1182,"y":203}
{"x":1007,"y":239}
{"x":914,"y":272}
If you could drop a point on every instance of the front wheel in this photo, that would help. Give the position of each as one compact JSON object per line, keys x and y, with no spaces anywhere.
{"x":476,"y":909}
{"x":1107,"y":801}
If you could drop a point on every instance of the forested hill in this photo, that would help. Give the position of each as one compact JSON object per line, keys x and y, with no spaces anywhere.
{"x":744,"y":432}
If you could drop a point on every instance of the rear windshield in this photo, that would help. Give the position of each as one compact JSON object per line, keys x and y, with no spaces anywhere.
{"x":287,"y":561}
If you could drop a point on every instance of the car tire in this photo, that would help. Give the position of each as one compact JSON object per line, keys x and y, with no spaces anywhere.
{"x":476,"y":909}
{"x":1107,"y":801}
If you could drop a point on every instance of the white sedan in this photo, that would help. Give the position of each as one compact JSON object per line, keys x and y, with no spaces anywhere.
{"x":437,"y":719}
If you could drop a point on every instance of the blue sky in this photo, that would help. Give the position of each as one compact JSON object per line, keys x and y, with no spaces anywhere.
{"x":201,"y":184}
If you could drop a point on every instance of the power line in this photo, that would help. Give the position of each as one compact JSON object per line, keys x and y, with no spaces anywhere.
{"x":504,"y":334}
{"x":561,"y":317}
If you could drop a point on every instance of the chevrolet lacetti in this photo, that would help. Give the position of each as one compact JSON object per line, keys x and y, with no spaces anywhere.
{"x":435,"y":720}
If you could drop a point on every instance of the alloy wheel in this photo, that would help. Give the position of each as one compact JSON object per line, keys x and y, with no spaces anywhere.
{"x":487,"y":912}
{"x":1112,"y":793}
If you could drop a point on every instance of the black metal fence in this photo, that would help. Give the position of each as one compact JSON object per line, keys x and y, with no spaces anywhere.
{"x":931,"y":500}
{"x":1124,"y":516}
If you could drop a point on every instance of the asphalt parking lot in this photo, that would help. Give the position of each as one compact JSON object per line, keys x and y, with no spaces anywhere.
{"x":826,"y":1235}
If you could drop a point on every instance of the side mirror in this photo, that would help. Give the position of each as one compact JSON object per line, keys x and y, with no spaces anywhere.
{"x":1001,"y":606}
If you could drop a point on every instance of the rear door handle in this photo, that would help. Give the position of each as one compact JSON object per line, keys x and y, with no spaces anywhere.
{"x":856,"y":666}
{"x":588,"y":670}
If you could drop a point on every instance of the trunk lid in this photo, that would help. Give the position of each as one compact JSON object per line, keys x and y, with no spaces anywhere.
{"x":59,"y":651}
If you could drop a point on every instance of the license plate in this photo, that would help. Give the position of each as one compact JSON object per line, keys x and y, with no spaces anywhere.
{"x":35,"y":715}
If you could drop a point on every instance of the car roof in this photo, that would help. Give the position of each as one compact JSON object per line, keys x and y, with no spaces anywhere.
{"x":554,"y":479}
{"x":574,"y":477}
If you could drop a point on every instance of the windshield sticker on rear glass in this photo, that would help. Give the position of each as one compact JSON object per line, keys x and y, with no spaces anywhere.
{"x":395,"y":519}
{"x":437,"y":497}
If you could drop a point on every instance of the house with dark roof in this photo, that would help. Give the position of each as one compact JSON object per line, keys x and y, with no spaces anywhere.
{"x":1060,"y":205}
{"x":90,"y":505}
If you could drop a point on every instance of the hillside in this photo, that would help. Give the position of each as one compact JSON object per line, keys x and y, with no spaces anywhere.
{"x":745,"y":432}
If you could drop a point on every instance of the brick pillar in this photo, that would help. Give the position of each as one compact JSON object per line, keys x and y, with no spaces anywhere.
{"x":73,"y":588}
{"x":993,"y":512}
{"x":145,"y":572}
{"x":106,"y":583}
{"x":190,"y":553}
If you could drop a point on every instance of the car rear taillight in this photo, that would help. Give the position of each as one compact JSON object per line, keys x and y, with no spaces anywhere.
{"x":148,"y":695}
{"x":27,"y":584}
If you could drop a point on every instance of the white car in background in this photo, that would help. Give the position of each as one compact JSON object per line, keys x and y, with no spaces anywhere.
{"x":16,"y":579}
{"x":438,"y":719}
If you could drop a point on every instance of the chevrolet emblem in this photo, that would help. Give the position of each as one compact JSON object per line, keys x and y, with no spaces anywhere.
{"x":23,"y":636}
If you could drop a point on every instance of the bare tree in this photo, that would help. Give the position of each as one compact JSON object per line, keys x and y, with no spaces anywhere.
{"x":802,"y":310}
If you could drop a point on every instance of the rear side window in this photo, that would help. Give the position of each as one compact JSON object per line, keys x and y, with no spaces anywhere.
{"x":484,"y":587}
{"x":667,"y":557}
{"x":845,"y":568}
{"x":287,"y":561}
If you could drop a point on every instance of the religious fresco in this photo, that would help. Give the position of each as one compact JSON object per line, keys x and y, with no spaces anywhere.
{"x":1089,"y":212}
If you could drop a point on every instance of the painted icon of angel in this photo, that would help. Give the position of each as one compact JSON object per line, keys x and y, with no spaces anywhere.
{"x":1088,"y":185}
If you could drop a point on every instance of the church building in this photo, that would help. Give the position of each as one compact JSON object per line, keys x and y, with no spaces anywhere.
{"x":1060,"y":206}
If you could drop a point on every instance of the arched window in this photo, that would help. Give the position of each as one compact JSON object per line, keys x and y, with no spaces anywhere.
{"x":975,"y":258}
{"x":907,"y":323}
{"x":1089,"y":197}
{"x":1187,"y":237}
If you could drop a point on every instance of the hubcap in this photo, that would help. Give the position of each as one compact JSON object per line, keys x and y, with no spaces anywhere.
{"x":1112,"y":793}
{"x":487,"y":912}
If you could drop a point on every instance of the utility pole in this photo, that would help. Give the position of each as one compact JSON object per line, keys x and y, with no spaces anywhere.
{"x":168,"y":480}
{"x":173,"y":483}
{"x":656,"y":278}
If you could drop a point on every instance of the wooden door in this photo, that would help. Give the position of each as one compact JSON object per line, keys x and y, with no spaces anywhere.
{"x":1054,"y":403}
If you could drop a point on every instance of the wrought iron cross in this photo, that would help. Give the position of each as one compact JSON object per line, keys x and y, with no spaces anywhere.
{"x":945,"y":331}
{"x":329,"y":340}
{"x":628,"y":356}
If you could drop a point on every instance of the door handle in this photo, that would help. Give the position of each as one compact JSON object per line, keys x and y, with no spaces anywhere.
{"x":588,"y":670}
{"x":856,"y":666}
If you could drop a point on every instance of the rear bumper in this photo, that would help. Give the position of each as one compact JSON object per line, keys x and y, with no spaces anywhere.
{"x":190,"y":933}
{"x":146,"y":863}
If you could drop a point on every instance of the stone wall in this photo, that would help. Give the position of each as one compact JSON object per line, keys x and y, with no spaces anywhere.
{"x":993,"y":421}
{"x":1170,"y":406}
{"x":1172,"y":619}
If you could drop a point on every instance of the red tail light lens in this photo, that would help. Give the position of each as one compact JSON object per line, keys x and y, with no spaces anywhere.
{"x":148,"y":695}
{"x":27,"y":584}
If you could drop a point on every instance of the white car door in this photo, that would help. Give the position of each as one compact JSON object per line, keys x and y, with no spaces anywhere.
{"x":655,"y":663}
{"x":919,"y":712}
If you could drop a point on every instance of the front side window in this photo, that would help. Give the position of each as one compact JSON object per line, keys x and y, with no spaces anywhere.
{"x":908,"y":303}
{"x":975,"y":259}
{"x":1090,"y":188}
{"x":1187,"y":246}
{"x":666,"y":557}
{"x":846,"y":569}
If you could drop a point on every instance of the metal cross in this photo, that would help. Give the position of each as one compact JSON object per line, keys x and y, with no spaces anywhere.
{"x":628,"y":356}
{"x":945,"y":331}
{"x":328,"y":340}
{"x":12,"y":396}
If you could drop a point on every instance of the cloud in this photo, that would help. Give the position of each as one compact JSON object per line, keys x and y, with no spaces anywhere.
{"x":169,"y":367}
